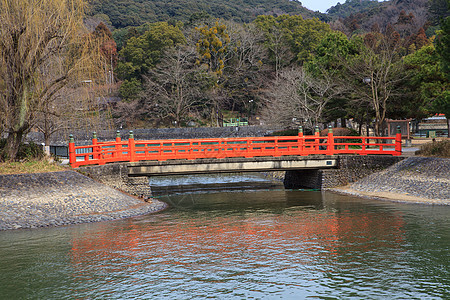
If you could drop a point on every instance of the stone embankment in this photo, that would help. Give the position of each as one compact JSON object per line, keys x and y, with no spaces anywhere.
{"x":62,"y":198}
{"x":415,"y":179}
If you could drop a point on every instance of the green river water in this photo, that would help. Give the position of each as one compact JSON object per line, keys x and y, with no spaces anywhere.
{"x":245,"y":239}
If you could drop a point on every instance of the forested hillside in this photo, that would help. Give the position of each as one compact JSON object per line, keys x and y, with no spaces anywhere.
{"x":349,"y":7}
{"x":123,"y":13}
{"x":195,"y":63}
{"x":284,"y":70}
{"x":359,"y":16}
{"x":369,"y":62}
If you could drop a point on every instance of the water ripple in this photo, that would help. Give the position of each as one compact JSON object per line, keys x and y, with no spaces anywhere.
{"x":259,"y":245}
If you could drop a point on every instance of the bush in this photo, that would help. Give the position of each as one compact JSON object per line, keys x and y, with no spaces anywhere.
{"x":27,"y":151}
{"x":438,"y":149}
{"x":340,"y":131}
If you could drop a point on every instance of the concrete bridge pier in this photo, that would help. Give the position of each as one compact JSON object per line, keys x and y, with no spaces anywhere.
{"x":303,"y":179}
{"x":349,"y":168}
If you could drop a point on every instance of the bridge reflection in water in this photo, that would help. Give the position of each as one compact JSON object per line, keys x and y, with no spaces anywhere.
{"x":233,"y":239}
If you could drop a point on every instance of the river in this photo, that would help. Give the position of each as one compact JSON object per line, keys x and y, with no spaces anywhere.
{"x":242,"y":238}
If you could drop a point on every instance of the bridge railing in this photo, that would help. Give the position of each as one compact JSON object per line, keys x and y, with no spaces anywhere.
{"x":130,"y":150}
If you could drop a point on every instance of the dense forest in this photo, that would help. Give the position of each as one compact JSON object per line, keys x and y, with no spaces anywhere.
{"x":359,"y":16}
{"x":123,"y":13}
{"x":191,"y":63}
{"x":364,"y":60}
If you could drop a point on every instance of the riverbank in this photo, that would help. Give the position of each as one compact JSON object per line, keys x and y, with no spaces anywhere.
{"x":63,"y":198}
{"x":415,"y":179}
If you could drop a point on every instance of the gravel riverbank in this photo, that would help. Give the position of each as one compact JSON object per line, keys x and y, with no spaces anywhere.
{"x":62,"y":198}
{"x":415,"y":179}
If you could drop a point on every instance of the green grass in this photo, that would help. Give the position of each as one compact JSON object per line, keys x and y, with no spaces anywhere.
{"x":30,"y":166}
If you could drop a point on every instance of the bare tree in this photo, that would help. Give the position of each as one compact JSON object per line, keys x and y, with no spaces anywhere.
{"x":296,"y":95}
{"x":245,"y":73}
{"x":74,"y":108}
{"x":174,"y":87}
{"x":43,"y":48}
{"x":279,"y":48}
{"x":246,"y":46}
{"x":376,"y":73}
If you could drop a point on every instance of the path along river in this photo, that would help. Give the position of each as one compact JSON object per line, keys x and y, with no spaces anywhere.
{"x":244,"y":243}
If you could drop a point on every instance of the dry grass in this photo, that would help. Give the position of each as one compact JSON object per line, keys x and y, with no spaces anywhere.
{"x":436,"y":149}
{"x":32,"y":166}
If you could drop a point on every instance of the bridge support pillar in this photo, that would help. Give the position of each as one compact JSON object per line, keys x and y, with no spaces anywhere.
{"x":303,"y":179}
{"x":350,"y":168}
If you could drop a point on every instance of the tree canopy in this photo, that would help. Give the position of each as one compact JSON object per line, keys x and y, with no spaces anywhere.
{"x":43,"y":48}
{"x":123,"y":13}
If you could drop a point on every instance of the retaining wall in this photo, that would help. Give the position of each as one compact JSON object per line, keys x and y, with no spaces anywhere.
{"x":116,"y":176}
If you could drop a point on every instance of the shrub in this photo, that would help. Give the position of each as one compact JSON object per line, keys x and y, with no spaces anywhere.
{"x":339,"y":131}
{"x":28,"y":151}
{"x":438,"y":149}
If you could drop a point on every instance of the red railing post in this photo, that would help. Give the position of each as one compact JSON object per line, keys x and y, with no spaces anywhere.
{"x":72,"y":156}
{"x":330,"y":141}
{"x":248,"y":147}
{"x":118,"y":146}
{"x":301,"y":140}
{"x":275,"y":146}
{"x":363,"y":146}
{"x":300,"y":131}
{"x":131,"y":147}
{"x":317,"y":139}
{"x":94,"y":146}
{"x":95,"y":149}
{"x":398,"y":142}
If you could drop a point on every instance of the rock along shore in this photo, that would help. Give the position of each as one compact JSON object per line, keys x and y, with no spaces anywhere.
{"x":63,"y":198}
{"x":415,"y":179}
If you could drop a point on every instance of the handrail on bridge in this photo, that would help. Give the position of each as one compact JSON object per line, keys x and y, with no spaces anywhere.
{"x":100,"y":153}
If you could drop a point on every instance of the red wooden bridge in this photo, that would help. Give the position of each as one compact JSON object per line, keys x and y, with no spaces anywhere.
{"x":132,"y":150}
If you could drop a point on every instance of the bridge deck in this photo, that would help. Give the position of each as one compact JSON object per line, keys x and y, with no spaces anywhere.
{"x":255,"y":164}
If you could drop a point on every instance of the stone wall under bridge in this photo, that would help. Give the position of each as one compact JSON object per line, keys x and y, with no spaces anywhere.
{"x":350,"y":168}
{"x":116,"y":176}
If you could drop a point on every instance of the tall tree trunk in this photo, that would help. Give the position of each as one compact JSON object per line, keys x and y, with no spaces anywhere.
{"x":448,"y":126}
{"x":18,"y":123}
{"x":12,"y":144}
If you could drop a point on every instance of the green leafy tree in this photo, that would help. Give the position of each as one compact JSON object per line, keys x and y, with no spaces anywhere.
{"x":123,"y":13}
{"x":301,"y":35}
{"x":442,"y":103}
{"x":280,"y":52}
{"x":443,"y":46}
{"x":212,"y":47}
{"x":369,"y":67}
{"x":426,"y":81}
{"x":329,"y":59}
{"x":144,"y":52}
